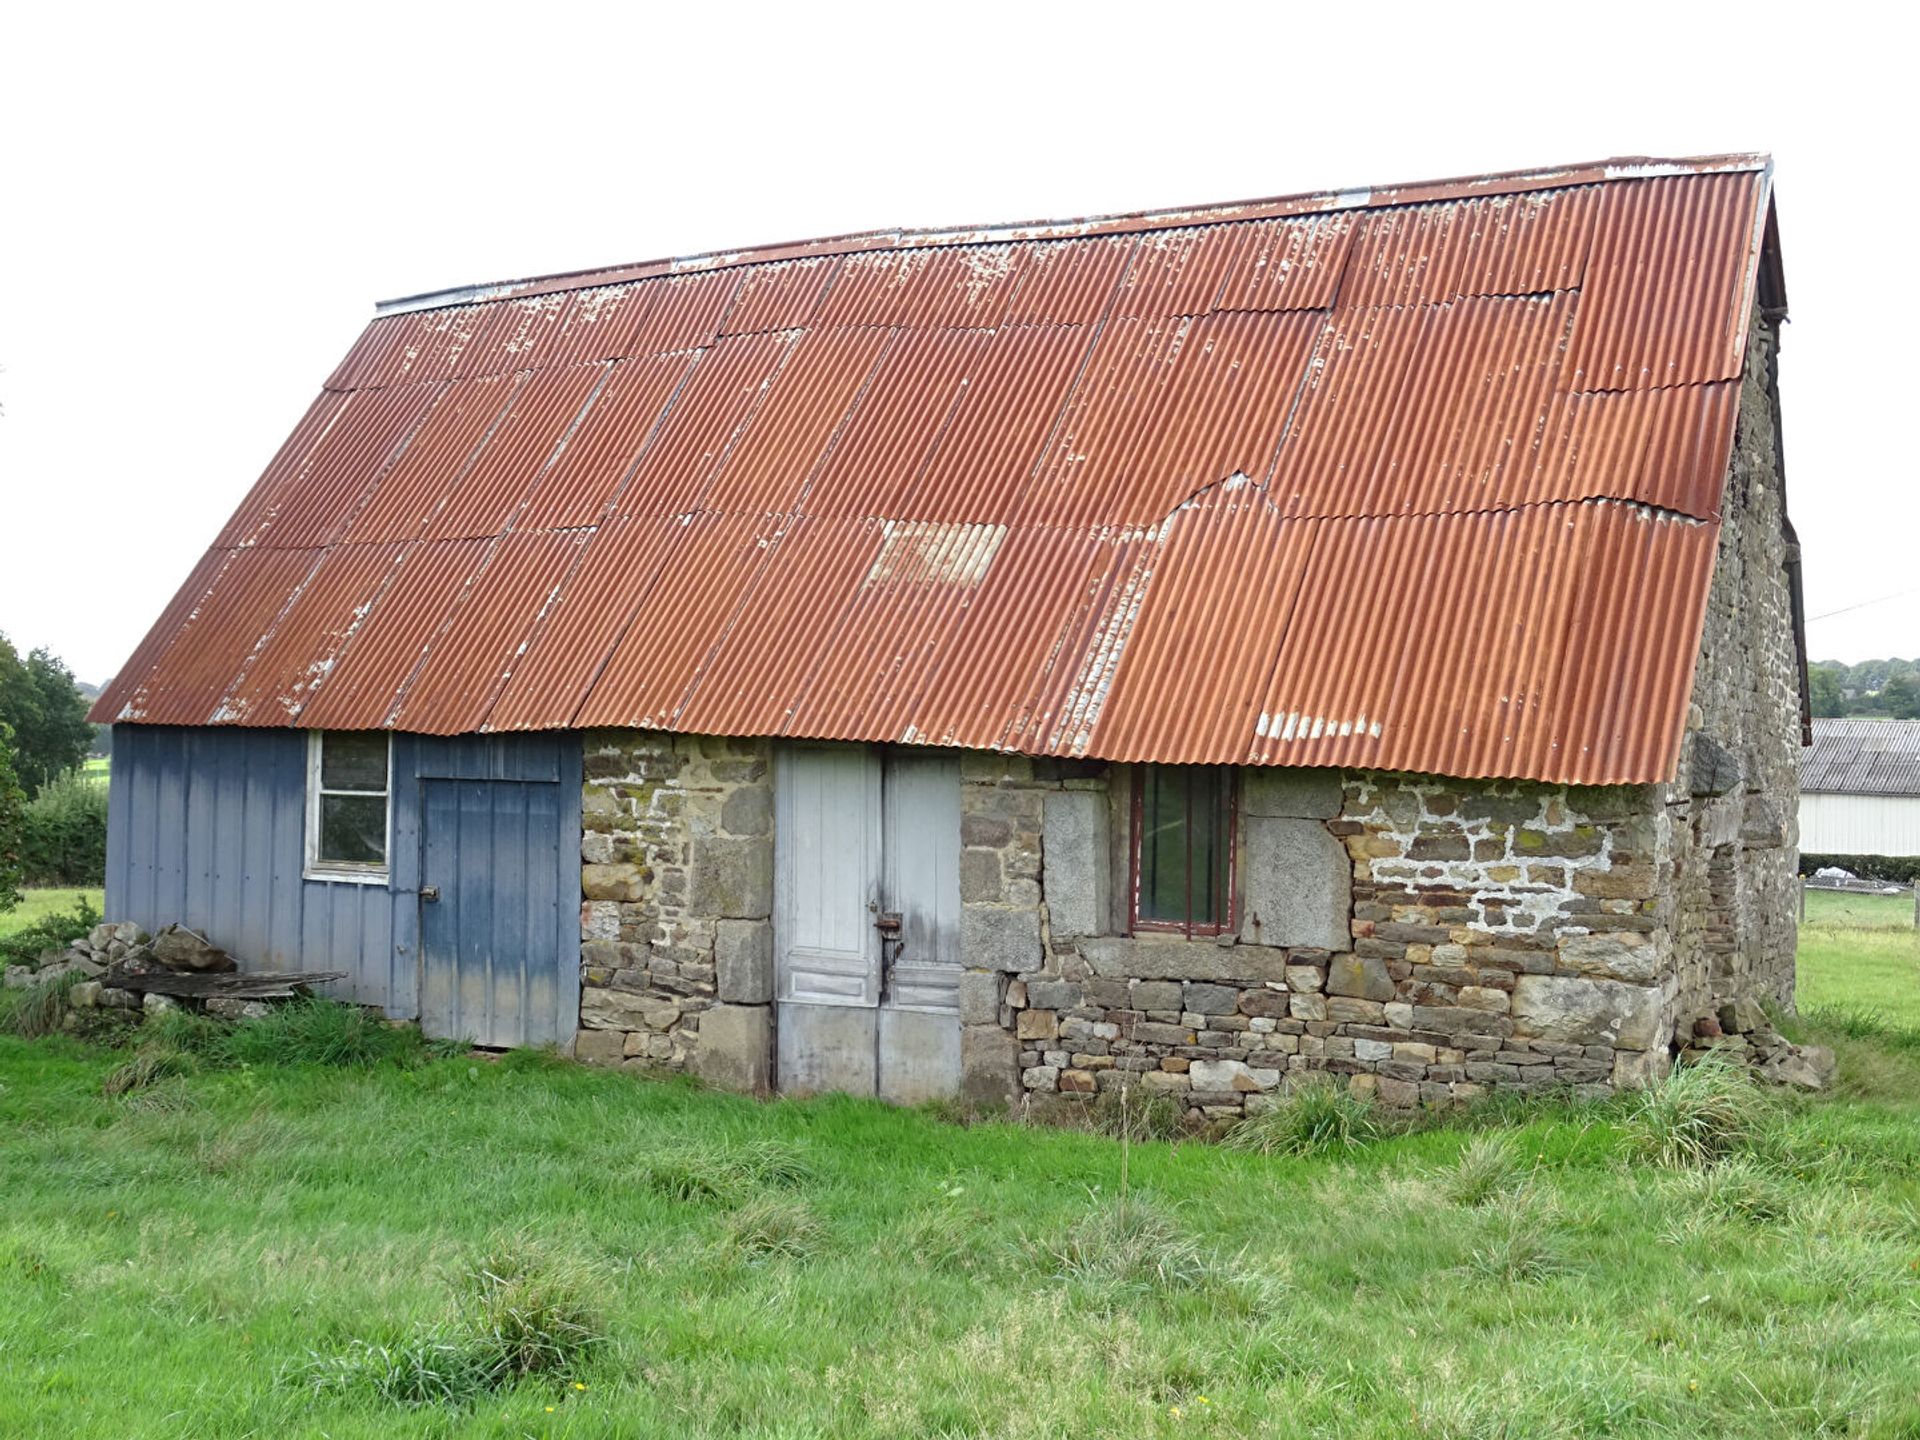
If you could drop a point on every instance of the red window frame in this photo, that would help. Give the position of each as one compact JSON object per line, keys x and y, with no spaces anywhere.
{"x":1189,"y":928}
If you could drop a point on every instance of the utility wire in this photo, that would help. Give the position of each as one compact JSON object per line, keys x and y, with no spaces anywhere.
{"x":1845,"y":609}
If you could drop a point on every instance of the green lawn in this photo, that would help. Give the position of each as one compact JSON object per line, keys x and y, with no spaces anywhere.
{"x":1861,"y":953}
{"x":186,"y":1260}
{"x":38,"y":904}
{"x":266,"y":1249}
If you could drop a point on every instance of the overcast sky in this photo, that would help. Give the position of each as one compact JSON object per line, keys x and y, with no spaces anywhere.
{"x":202,"y":207}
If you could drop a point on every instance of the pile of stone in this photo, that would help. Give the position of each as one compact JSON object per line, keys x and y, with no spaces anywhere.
{"x":1740,"y":1029}
{"x":110,"y":960}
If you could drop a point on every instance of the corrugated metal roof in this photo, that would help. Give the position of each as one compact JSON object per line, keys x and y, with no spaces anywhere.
{"x":1425,"y":478}
{"x":1858,"y":756}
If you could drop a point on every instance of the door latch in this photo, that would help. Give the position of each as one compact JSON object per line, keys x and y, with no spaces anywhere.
{"x":887,"y":922}
{"x":429,"y":892}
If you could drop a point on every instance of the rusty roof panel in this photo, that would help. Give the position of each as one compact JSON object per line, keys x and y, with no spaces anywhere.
{"x":308,"y":636}
{"x":1223,"y":584}
{"x":571,"y":643}
{"x":1208,"y":485}
{"x":541,"y":417}
{"x":317,"y":504}
{"x":670,"y":636}
{"x":435,"y":459}
{"x":987,"y":456}
{"x":785,"y":296}
{"x":793,"y":430}
{"x":1549,"y":652}
{"x":293,"y":456}
{"x":369,"y":675}
{"x":729,"y":382}
{"x":217,"y":639}
{"x":468,"y":666}
{"x":1466,"y":427}
{"x":1168,"y":407}
{"x":599,"y":455}
{"x":1292,"y":264}
{"x":1500,"y":245}
{"x":1670,"y":282}
{"x":115,"y":702}
{"x":898,"y":422}
{"x":1068,"y":282}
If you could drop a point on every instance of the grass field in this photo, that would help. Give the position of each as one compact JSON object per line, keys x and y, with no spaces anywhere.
{"x":255,"y":1247}
{"x":37,"y":904}
{"x":1861,"y":953}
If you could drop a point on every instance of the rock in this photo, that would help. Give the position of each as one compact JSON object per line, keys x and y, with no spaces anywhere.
{"x":157,"y":1004}
{"x":1583,"y":1011}
{"x":1363,"y":977}
{"x":102,"y":936}
{"x":1220,"y":1076}
{"x":86,"y":995}
{"x":612,"y":882}
{"x":231,"y":1007}
{"x":1707,"y":1027}
{"x":1623,"y":955}
{"x":994,"y":939}
{"x":1741,"y":1016}
{"x":736,"y":1048}
{"x":1805,"y":1067}
{"x":18,"y":977}
{"x":743,"y":958}
{"x":181,"y":949}
{"x":130,"y":934}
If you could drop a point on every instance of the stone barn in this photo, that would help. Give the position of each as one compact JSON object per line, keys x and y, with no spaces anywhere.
{"x":1354,"y":632}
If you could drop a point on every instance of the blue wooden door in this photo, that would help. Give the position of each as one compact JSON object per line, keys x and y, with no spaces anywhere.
{"x":490,"y":964}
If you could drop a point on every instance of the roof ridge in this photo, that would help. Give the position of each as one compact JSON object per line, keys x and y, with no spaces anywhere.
{"x":1329,"y":201}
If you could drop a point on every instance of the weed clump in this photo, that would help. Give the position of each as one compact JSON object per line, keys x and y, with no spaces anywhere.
{"x":1130,"y":1246}
{"x":1136,"y":1116}
{"x":775,"y":1227}
{"x":1487,"y":1169}
{"x":1698,"y":1115}
{"x":724,"y":1175}
{"x":148,"y":1066}
{"x":36,"y":1010}
{"x":519,"y":1316}
{"x":1312,"y":1117}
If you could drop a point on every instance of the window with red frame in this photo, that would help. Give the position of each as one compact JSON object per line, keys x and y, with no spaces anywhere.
{"x":1183,"y":848}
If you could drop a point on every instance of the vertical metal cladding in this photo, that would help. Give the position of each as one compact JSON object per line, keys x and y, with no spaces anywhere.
{"x":1426,"y":480}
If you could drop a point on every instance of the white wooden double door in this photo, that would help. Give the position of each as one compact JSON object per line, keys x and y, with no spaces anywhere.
{"x":867,"y":921}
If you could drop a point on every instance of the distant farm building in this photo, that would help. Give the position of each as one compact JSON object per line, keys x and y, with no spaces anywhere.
{"x":1354,"y":633}
{"x":1860,"y":788}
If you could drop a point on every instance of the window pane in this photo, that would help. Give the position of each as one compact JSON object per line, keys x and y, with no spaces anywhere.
{"x":1186,"y":840}
{"x":353,"y":760}
{"x":353,"y":829}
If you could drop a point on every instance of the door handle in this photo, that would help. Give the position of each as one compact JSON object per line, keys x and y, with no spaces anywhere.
{"x":429,"y":892}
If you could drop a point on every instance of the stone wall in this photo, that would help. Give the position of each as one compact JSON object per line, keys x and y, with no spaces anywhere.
{"x":677,"y":884}
{"x":1427,"y":938}
{"x":1736,"y":798}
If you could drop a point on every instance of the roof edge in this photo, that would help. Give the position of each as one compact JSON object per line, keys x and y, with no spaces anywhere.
{"x":1506,"y":182}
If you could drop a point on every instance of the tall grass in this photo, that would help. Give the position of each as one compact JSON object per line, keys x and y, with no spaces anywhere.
{"x":1311,"y":1117}
{"x":1698,"y":1114}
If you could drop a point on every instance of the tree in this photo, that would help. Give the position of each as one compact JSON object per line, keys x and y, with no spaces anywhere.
{"x":1900,"y":697}
{"x":13,"y":806}
{"x":46,"y":713}
{"x":1823,"y":689}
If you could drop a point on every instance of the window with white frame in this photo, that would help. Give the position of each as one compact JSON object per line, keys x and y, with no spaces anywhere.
{"x":348,"y":816}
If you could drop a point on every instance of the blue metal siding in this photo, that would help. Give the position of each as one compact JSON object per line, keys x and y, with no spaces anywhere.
{"x":208,"y":827}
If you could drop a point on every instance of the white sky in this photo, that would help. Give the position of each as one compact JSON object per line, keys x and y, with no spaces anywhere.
{"x":202,"y":206}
